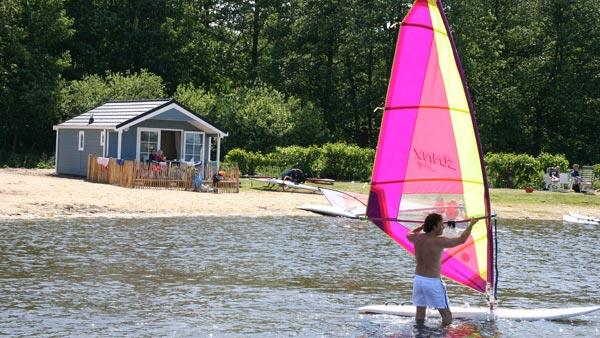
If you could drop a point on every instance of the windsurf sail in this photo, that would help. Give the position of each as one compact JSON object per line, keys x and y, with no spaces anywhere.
{"x":348,"y":201}
{"x":429,"y":157}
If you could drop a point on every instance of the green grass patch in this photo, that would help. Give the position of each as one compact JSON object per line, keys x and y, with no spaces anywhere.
{"x":514,"y":197}
{"x":520,"y":197}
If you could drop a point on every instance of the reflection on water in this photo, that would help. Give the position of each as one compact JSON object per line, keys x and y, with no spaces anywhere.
{"x":266,"y":276}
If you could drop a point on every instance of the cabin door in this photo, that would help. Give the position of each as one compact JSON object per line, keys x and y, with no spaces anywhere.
{"x":170,"y":143}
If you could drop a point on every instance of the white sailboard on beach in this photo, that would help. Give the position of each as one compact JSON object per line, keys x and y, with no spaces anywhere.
{"x":341,"y":204}
{"x":429,"y":154}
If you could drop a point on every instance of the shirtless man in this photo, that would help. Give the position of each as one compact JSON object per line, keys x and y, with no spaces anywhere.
{"x":428,"y":289}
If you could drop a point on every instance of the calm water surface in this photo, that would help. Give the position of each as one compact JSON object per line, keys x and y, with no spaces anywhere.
{"x":267,"y":277}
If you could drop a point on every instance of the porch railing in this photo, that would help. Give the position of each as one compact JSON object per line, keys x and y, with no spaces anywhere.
{"x":161,"y":175}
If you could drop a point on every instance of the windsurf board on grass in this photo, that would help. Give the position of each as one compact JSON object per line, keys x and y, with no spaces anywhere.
{"x":481,"y":313}
{"x":285,"y":184}
{"x":427,"y":95}
{"x":320,"y":180}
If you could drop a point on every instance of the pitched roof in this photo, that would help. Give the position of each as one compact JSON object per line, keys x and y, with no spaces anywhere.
{"x":118,"y":115}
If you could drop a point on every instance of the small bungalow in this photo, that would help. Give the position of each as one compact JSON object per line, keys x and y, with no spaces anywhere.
{"x":131,"y":130}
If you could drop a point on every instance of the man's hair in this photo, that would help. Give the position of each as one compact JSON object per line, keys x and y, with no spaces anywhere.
{"x":431,"y":221}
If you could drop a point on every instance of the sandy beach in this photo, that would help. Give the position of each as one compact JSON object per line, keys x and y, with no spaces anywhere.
{"x":37,"y":193}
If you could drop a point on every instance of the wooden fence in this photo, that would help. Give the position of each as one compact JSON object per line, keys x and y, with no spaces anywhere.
{"x":163,"y":175}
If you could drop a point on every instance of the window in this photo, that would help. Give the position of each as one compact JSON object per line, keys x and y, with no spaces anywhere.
{"x":102,"y":138}
{"x":148,"y":143}
{"x":193,"y":146}
{"x":81,"y":140}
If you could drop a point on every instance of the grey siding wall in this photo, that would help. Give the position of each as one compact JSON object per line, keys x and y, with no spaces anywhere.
{"x":171,"y":114}
{"x":69,"y":159}
{"x":72,"y":161}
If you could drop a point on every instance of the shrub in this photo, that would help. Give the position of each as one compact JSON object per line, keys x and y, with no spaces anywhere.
{"x":347,"y":162}
{"x":247,"y":161}
{"x":508,"y":170}
{"x":547,"y":160}
{"x":297,"y":157}
{"x":26,"y":160}
{"x":332,"y":160}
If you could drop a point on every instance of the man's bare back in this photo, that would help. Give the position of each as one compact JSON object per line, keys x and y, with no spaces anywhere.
{"x":428,"y":254}
{"x":429,"y":247}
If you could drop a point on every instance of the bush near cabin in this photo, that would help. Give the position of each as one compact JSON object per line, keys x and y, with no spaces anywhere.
{"x":331,"y":160}
{"x":350,"y":162}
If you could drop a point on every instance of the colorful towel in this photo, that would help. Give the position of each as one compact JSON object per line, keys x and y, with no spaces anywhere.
{"x":103,"y":161}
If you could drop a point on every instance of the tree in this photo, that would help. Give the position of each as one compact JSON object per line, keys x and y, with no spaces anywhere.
{"x":32,"y":58}
{"x":79,"y":96}
{"x":258,"y":118}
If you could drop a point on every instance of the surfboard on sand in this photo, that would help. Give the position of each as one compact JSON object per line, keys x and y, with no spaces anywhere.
{"x":481,"y":313}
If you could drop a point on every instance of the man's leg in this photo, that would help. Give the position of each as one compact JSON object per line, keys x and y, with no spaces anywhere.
{"x":420,"y":318}
{"x":446,"y":316}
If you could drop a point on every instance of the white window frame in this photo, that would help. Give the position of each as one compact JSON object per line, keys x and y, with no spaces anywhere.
{"x":183,"y":145}
{"x":102,"y":138}
{"x":81,"y":142}
{"x":138,"y":141}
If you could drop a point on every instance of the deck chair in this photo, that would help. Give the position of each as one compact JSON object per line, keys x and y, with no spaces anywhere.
{"x":554,"y":185}
{"x":564,"y":184}
{"x":587,"y":179}
{"x":547,"y":180}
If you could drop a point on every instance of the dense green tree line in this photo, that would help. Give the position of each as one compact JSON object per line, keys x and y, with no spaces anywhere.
{"x":532,"y":66}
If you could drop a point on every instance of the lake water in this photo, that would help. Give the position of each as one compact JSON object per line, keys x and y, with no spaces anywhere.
{"x":267,"y":277}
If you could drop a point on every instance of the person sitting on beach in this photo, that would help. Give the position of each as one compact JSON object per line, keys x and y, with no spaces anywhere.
{"x":218,"y":177}
{"x":555,"y":174}
{"x":576,"y":177}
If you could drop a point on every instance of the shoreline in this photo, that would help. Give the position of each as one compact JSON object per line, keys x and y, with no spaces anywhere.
{"x":39,"y":194}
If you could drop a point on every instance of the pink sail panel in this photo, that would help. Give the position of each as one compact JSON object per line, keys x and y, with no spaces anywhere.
{"x":428,"y":157}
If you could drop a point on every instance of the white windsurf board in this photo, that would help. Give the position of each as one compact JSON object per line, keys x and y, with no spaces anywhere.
{"x":585,"y":217}
{"x":479,"y":313}
{"x":286,"y":184}
{"x":570,"y":218}
{"x":329,"y":210}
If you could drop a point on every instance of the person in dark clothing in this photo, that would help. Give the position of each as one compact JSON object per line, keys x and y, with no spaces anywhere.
{"x":576,"y":177}
{"x":295,"y":175}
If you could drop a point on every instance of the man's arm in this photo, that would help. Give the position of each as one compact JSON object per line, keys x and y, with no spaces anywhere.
{"x":413,"y":233}
{"x":450,"y":242}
